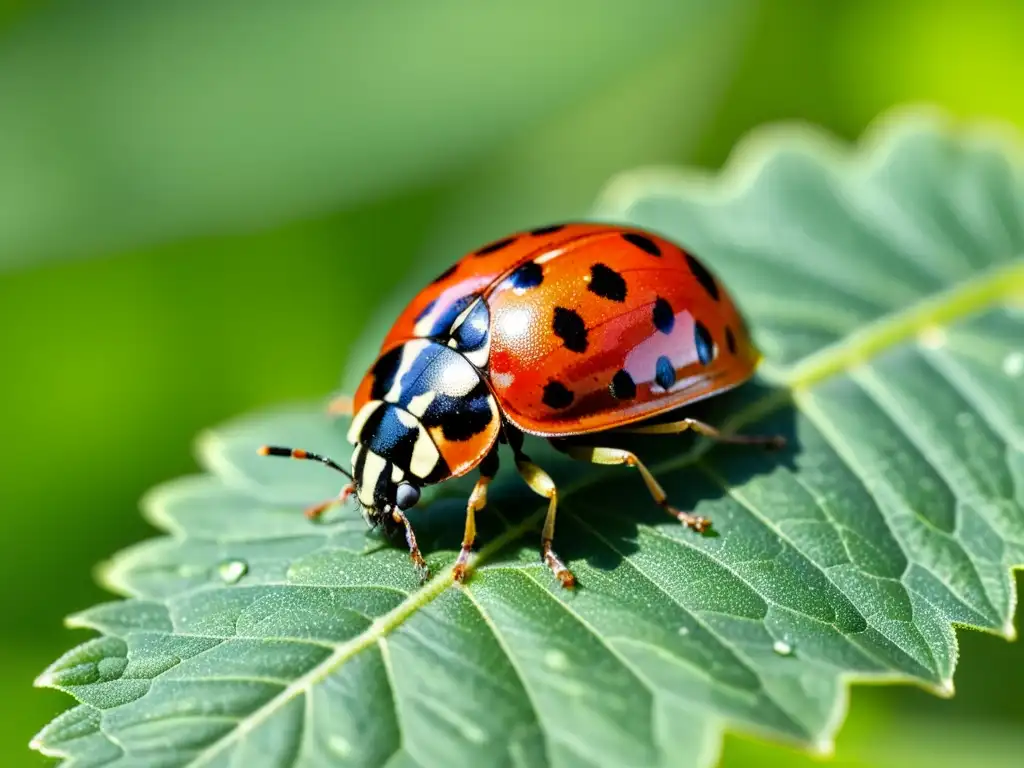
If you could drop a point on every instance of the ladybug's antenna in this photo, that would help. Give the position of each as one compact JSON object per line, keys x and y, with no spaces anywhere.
{"x":298,"y":453}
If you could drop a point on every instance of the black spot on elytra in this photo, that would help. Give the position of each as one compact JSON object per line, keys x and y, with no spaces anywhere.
{"x":704,"y":277}
{"x":622,"y":387}
{"x":607,"y":283}
{"x":446,"y":274}
{"x":705,"y":344}
{"x":495,"y":246}
{"x":730,"y":341}
{"x":426,"y":310}
{"x":547,"y":230}
{"x":663,"y":316}
{"x":664,"y":372}
{"x":643,"y":243}
{"x":384,"y":372}
{"x":529,"y":275}
{"x":570,"y":328}
{"x":556,"y":395}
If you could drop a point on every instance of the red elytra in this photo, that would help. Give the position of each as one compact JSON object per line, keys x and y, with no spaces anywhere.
{"x":564,"y":332}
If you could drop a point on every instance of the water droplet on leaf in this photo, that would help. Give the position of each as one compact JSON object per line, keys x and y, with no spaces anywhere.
{"x":231,"y":571}
{"x":340,"y":746}
{"x":556,"y":660}
{"x":1013,"y":364}
{"x":782,"y":648}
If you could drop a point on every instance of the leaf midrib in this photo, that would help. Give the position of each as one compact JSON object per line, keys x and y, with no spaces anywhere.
{"x":986,"y":290}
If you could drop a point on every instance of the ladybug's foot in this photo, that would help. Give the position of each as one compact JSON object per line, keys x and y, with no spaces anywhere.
{"x":554,"y":562}
{"x":698,"y":523}
{"x":459,"y":569}
{"x":414,"y":550}
{"x":477,"y":501}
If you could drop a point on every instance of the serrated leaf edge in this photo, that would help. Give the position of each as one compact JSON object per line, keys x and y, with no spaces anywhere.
{"x":997,"y":285}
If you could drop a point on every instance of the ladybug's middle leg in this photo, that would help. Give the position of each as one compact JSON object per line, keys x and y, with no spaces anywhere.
{"x":596,"y":455}
{"x":540,"y":482}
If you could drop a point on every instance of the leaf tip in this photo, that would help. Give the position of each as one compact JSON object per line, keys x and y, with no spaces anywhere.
{"x":39,"y":745}
{"x":44,"y":680}
{"x":1009,"y":631}
{"x":945,"y":688}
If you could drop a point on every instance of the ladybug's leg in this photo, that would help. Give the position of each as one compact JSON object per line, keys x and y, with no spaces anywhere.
{"x":477,"y":501}
{"x":410,"y":538}
{"x":317,"y":510}
{"x":619,"y":456}
{"x":675,"y":427}
{"x":340,"y":406}
{"x":542,"y":484}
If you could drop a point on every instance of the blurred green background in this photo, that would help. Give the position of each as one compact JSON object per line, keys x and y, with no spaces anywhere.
{"x":203,"y":203}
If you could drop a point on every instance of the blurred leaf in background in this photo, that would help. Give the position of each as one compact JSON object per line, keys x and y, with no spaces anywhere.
{"x":189,"y":316}
{"x":127,"y":123}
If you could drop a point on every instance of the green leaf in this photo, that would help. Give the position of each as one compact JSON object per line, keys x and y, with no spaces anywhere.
{"x":886,"y":286}
{"x":130,"y":123}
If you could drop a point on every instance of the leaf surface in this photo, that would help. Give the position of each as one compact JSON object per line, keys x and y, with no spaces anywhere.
{"x":885,"y":285}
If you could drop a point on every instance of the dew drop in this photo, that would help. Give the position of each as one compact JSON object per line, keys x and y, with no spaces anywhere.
{"x":231,"y":571}
{"x":340,"y":746}
{"x":683,"y":631}
{"x":1013,"y":364}
{"x":473,"y":734}
{"x":556,"y":660}
{"x":782,"y":648}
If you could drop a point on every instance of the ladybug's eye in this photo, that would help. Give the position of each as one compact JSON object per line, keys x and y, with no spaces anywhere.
{"x":406,"y":495}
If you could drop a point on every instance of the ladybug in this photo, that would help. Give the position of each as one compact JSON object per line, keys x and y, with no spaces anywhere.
{"x":565,"y":332}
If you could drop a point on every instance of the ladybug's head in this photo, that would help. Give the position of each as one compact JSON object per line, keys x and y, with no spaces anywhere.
{"x":393,"y":457}
{"x":424,"y":413}
{"x":389,"y":464}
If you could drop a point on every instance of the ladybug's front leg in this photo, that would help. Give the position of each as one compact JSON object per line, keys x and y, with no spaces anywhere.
{"x":342,"y":405}
{"x":477,"y":501}
{"x":414,"y":550}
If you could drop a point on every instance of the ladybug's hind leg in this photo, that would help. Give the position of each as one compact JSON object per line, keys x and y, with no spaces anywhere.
{"x":675,"y":427}
{"x":596,"y":455}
